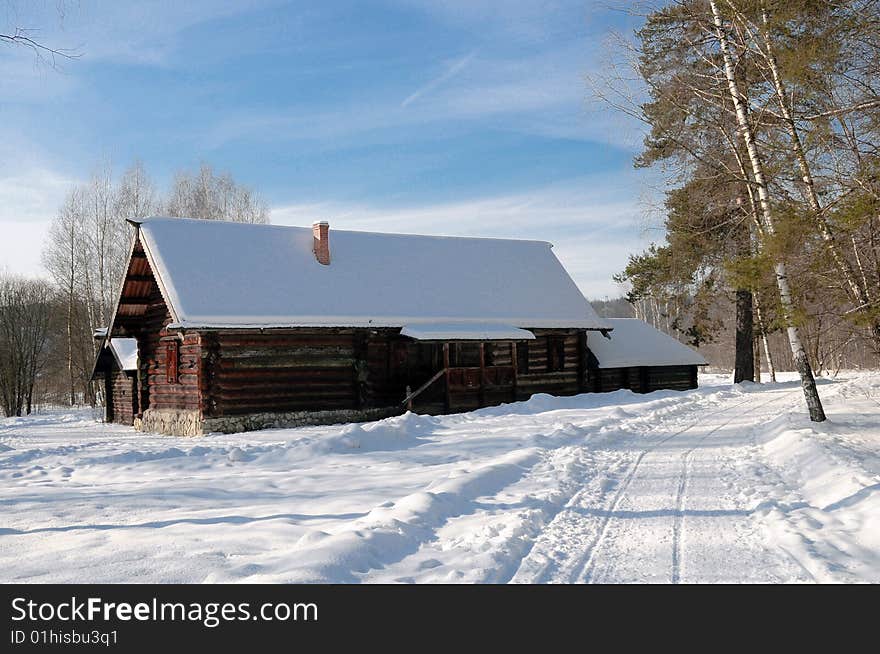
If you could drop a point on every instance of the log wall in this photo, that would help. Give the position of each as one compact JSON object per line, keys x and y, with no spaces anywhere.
{"x":155,"y":391}
{"x":644,"y":379}
{"x":235,"y":373}
{"x":121,"y":397}
{"x":331,"y":369}
{"x":539,"y":378}
{"x":250,"y":372}
{"x":677,"y":378}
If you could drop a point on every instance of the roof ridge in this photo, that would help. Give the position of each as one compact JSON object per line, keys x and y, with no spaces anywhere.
{"x":149,"y":219}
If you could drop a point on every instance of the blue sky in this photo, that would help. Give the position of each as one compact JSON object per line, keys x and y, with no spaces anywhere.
{"x":449,"y":117}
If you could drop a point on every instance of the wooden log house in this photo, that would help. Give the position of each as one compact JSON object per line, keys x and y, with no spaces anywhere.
{"x":242,"y":326}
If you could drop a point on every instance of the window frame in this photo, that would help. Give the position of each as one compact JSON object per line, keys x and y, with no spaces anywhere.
{"x":522,"y":357}
{"x":555,"y":353}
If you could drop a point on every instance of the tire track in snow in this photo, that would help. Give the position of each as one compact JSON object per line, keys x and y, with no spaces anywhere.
{"x":584,"y":571}
{"x":518,"y":548}
{"x":540,"y":574}
{"x":510,"y":568}
{"x":544,"y":570}
{"x":583,"y":567}
{"x":678,"y":520}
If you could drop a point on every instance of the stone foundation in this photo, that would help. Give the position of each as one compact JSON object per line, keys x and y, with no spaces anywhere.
{"x":253,"y":421}
{"x":173,"y":422}
{"x":189,"y":423}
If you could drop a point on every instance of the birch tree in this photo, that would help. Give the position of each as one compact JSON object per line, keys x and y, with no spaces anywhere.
{"x":61,"y":258}
{"x":85,"y":254}
{"x":764,"y":27}
{"x":808,"y":383}
{"x":703,"y":79}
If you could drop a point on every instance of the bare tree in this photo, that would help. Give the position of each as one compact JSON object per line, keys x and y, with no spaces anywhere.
{"x":136,"y":195}
{"x":61,"y":259}
{"x":25,"y":315}
{"x":208,"y":196}
{"x":89,"y":241}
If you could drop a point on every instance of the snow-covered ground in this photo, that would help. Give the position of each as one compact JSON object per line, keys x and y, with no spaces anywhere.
{"x":723,"y":484}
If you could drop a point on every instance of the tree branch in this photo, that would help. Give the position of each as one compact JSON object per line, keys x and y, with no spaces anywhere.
{"x":43,"y":52}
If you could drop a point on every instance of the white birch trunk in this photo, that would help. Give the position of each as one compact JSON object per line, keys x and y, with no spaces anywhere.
{"x":858,"y":292}
{"x":814,"y":404}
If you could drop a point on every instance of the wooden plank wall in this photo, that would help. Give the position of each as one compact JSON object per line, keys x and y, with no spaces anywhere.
{"x":240,"y":372}
{"x":247,"y":372}
{"x":312,"y":370}
{"x":381,"y":384}
{"x":609,"y":379}
{"x":122,"y":397}
{"x":645,"y":379}
{"x":677,"y":378}
{"x":539,"y":379}
{"x":393,"y":363}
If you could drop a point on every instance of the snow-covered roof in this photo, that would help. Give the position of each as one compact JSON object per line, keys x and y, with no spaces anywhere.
{"x":635,"y":343}
{"x":126,"y":351}
{"x":223,"y":274}
{"x":466,"y":332}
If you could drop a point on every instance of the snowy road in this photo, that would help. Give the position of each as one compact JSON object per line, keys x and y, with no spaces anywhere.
{"x":669,"y":516}
{"x":723,"y":484}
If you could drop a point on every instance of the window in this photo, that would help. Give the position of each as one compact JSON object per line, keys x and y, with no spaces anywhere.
{"x":172,"y":357}
{"x":522,"y":358}
{"x":555,"y":353}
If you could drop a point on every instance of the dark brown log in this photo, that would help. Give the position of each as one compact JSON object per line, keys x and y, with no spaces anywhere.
{"x":291,"y":361}
{"x":744,"y":358}
{"x":447,"y":402}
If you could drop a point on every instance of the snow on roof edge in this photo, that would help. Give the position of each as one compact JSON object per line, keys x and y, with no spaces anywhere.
{"x":125,"y":351}
{"x":383,"y":323}
{"x":160,"y":273}
{"x":473,"y":331}
{"x":636,"y":343}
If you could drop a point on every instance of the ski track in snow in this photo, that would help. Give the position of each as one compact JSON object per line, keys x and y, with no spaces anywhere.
{"x":725,"y":483}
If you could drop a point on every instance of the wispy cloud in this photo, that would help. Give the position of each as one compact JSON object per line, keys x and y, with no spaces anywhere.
{"x":524,"y":21}
{"x":421,"y":114}
{"x":24,"y":80}
{"x":451,"y":71}
{"x":543,"y":93}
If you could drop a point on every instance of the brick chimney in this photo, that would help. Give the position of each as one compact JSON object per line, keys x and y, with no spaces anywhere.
{"x":321,"y":245}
